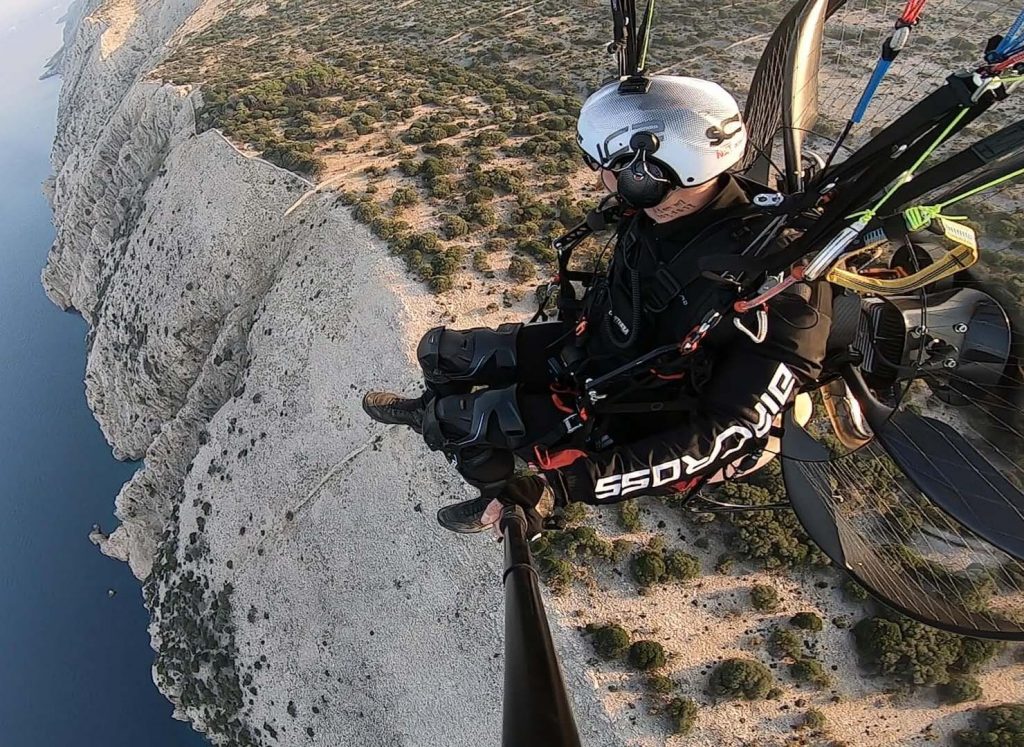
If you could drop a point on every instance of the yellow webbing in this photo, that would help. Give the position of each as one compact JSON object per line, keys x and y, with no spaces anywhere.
{"x":962,"y":255}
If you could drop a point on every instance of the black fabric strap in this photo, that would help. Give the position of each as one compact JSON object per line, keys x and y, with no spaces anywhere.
{"x":993,"y":151}
{"x":677,"y":404}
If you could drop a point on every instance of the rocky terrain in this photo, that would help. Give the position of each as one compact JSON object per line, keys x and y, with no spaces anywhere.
{"x":299,"y":588}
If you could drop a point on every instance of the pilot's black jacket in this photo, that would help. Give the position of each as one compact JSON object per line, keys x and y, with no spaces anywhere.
{"x":747,"y":383}
{"x":741,"y":388}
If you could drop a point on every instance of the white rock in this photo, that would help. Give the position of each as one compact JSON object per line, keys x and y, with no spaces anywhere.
{"x":229,"y":346}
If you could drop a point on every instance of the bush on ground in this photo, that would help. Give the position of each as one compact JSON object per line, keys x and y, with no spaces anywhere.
{"x":806,"y":621}
{"x":998,"y":726}
{"x":647,"y":655}
{"x":683,"y":712}
{"x":741,"y":678}
{"x":610,"y":641}
{"x":764,"y":598}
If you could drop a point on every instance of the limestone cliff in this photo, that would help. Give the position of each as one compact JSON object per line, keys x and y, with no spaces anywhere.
{"x":300,"y":591}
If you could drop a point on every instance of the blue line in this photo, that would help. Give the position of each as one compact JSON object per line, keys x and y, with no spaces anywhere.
{"x":869,"y":92}
{"x":1012,"y":38}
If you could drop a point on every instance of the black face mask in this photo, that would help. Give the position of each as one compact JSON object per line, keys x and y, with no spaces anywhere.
{"x":642,"y":183}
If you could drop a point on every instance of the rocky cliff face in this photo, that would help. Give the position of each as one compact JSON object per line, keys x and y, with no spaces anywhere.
{"x":300,"y":591}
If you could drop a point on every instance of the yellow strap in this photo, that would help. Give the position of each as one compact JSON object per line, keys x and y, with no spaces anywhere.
{"x":960,"y":257}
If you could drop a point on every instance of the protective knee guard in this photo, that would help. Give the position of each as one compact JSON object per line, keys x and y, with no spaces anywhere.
{"x":478,"y":432}
{"x":480,"y":355}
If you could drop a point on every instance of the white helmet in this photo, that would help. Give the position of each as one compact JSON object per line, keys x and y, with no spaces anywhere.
{"x":696,"y":126}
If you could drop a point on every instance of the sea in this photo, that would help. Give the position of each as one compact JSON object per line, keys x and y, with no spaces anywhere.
{"x":75,"y":661}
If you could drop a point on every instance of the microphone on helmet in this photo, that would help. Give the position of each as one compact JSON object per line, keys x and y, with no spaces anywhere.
{"x":643,"y":184}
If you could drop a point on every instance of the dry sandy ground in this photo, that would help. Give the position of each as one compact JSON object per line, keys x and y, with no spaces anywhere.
{"x":711,"y":619}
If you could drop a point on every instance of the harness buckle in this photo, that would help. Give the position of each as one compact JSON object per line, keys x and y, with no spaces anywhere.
{"x":573,"y":423}
{"x":769,"y":199}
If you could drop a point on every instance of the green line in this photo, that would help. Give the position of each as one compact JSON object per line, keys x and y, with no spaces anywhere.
{"x":907,"y":175}
{"x":649,"y":21}
{"x":981,"y":188}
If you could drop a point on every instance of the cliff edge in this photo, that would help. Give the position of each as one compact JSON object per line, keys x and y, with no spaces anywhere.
{"x":299,"y":588}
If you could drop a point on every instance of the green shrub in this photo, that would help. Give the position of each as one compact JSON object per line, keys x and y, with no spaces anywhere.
{"x":960,"y":689}
{"x":297,"y":157}
{"x":814,"y":720}
{"x":660,"y":684}
{"x":536,"y":248}
{"x":725,"y":562}
{"x":442,"y":283}
{"x":998,"y":726}
{"x":521,"y":270}
{"x":580,"y":542}
{"x":740,"y":678}
{"x":610,"y":641}
{"x":480,"y":215}
{"x":976,"y":652}
{"x":806,"y":621}
{"x":629,"y":516}
{"x":917,"y":654}
{"x":433,"y":167}
{"x":427,"y":243}
{"x":853,"y":590}
{"x":409,"y":166}
{"x":405,"y":196}
{"x":441,"y":187}
{"x":479,"y":196}
{"x":386,"y":228}
{"x":683,"y":712}
{"x":452,"y":226}
{"x":764,"y":598}
{"x":648,"y":567}
{"x":785,"y":642}
{"x":774,"y":537}
{"x":496,"y":245}
{"x":491,"y":137}
{"x":810,"y":670}
{"x":647,"y":655}
{"x":481,"y":262}
{"x":621,"y":548}
{"x":681,"y":566}
{"x":575,"y":512}
{"x":366,"y":210}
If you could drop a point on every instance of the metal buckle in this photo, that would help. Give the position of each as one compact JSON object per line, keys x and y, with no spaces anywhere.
{"x":573,"y":423}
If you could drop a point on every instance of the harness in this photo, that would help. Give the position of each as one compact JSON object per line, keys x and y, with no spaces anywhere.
{"x":667,"y":378}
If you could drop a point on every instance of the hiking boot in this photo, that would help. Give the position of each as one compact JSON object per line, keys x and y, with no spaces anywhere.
{"x":465,"y":517}
{"x":393,"y":409}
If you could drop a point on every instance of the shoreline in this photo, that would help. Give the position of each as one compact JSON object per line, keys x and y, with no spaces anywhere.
{"x":297,"y":582}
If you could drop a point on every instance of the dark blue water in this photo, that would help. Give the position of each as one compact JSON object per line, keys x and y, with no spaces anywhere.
{"x":74,"y":664}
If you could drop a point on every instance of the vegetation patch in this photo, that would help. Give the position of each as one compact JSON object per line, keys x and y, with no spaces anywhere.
{"x":610,"y":641}
{"x":999,"y":726}
{"x":647,"y":655}
{"x":741,"y":678}
{"x":916,"y":654}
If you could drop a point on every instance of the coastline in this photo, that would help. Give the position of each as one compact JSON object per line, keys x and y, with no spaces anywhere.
{"x":229,"y":346}
{"x":297,"y":582}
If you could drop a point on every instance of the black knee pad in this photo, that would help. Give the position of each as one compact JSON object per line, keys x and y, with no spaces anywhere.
{"x":487,"y":418}
{"x":487,"y":356}
{"x":478,"y":432}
